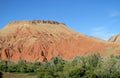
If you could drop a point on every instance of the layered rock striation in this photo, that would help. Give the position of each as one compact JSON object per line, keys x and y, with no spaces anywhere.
{"x":40,"y":40}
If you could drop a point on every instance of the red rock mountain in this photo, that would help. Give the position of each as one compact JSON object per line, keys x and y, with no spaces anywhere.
{"x":41,"y":40}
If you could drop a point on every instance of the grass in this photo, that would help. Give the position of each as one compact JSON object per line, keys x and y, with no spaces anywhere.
{"x":15,"y":75}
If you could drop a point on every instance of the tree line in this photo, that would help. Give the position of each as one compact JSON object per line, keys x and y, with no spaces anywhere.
{"x":88,"y":66}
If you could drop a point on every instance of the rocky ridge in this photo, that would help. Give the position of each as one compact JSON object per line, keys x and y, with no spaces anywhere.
{"x":115,"y":39}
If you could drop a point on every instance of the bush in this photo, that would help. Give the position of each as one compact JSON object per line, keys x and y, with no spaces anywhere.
{"x":88,"y":66}
{"x":77,"y":73}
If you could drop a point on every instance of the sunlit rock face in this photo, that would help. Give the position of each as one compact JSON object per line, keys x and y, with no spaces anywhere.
{"x":40,"y":40}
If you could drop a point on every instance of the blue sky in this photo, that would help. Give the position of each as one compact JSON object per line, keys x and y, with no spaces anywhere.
{"x":99,"y":18}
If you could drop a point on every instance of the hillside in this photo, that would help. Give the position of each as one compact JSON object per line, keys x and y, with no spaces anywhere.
{"x":41,"y":40}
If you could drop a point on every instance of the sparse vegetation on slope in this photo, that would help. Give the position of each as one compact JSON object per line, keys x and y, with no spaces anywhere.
{"x":88,"y":66}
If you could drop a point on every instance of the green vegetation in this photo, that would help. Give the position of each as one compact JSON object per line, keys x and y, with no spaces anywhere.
{"x":16,"y":75}
{"x":89,"y":66}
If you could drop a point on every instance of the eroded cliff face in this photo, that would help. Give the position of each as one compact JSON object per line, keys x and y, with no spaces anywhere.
{"x":115,"y":39}
{"x":33,"y":40}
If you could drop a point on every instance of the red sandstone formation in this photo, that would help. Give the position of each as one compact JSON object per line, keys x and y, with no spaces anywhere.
{"x":41,"y":40}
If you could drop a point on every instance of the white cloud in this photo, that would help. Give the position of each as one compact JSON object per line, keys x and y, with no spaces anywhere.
{"x":101,"y":32}
{"x":114,"y":13}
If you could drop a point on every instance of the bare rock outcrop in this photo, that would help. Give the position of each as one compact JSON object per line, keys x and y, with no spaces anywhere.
{"x":41,"y":40}
{"x":36,"y":22}
{"x":115,"y":39}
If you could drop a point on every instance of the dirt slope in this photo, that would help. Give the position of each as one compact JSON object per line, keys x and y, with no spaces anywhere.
{"x":41,"y":40}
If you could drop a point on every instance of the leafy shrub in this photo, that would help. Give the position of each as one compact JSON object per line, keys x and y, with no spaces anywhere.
{"x":88,"y":66}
